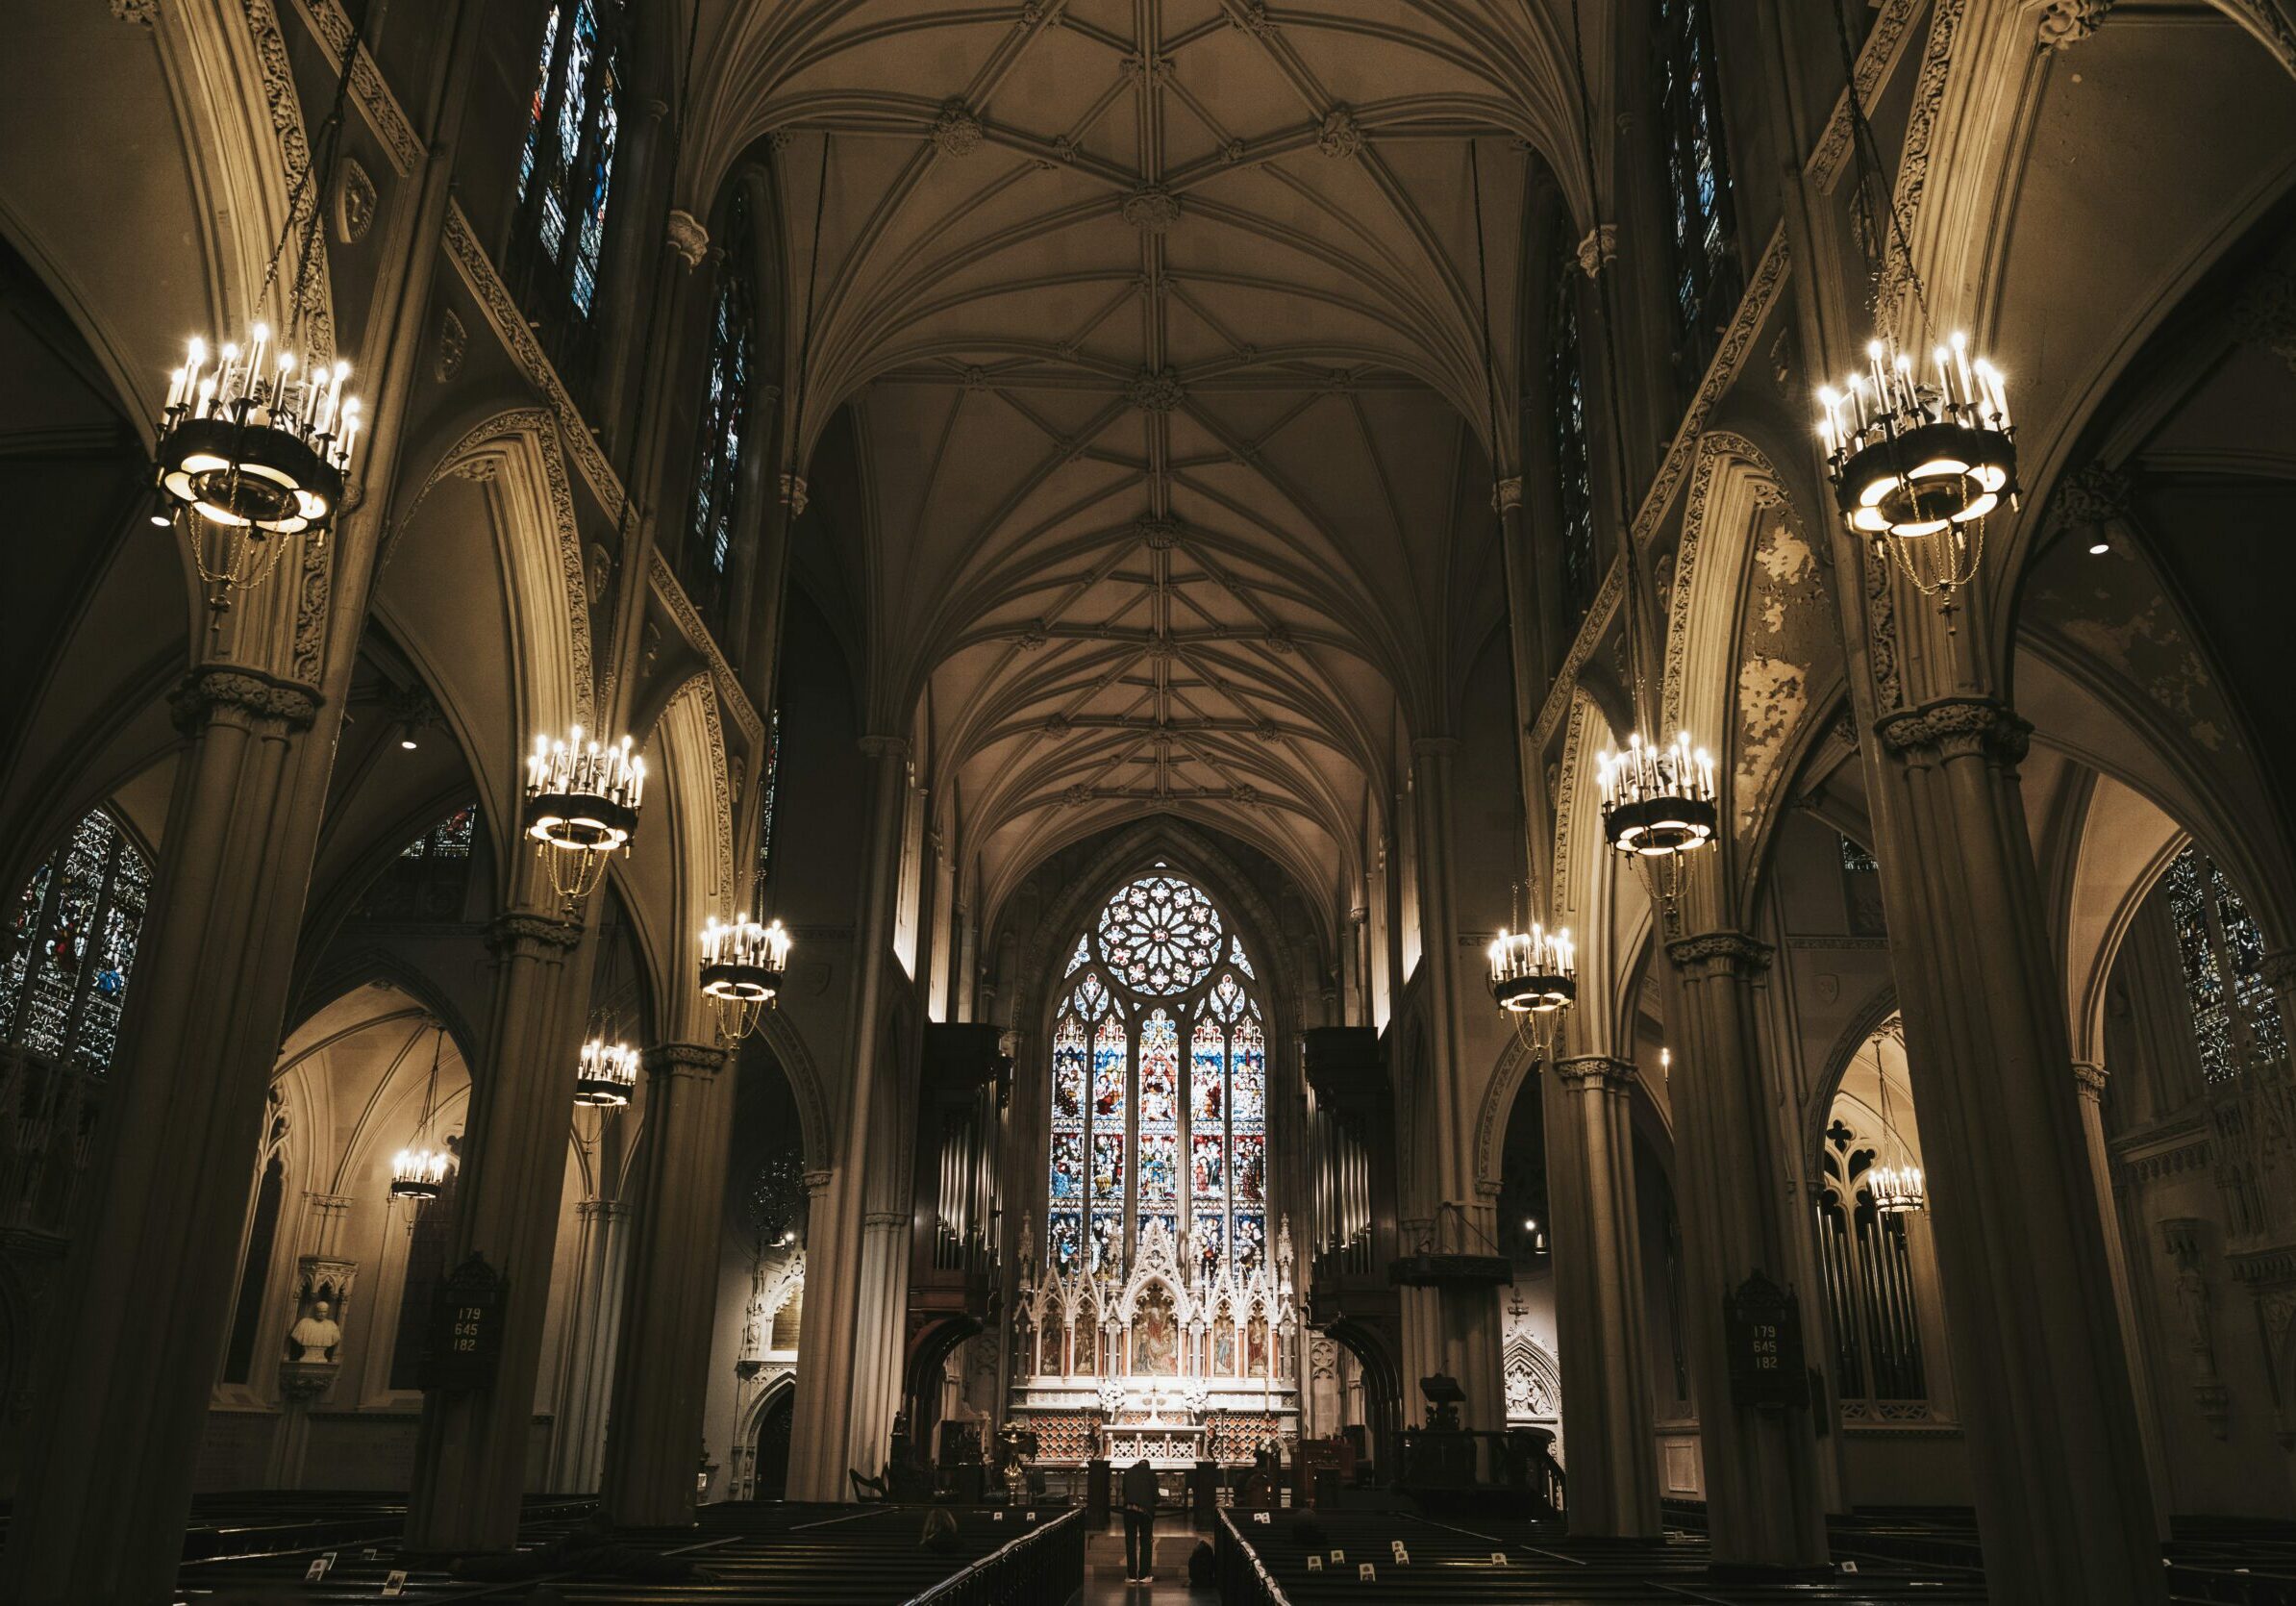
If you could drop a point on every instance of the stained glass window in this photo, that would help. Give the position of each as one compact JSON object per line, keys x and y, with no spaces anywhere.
{"x":71,"y":946}
{"x":725,"y":413}
{"x":1689,"y":106}
{"x":772,"y":796}
{"x":1159,"y":1086}
{"x":429,"y":878}
{"x":2236,"y":1019}
{"x":566,"y":171}
{"x":1566,"y":411}
{"x":1160,"y":936}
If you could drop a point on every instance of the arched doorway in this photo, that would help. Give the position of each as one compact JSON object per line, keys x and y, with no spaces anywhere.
{"x":772,"y":1446}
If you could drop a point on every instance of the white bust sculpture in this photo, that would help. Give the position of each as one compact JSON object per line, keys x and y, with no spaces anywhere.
{"x":316,"y":1335}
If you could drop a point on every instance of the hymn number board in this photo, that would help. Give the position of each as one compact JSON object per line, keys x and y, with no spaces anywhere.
{"x":466,"y":1328}
{"x":1763,"y":1324}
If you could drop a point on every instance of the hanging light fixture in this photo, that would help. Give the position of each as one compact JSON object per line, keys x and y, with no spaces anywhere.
{"x":419,"y":1171}
{"x":607,"y":1075}
{"x":1919,"y":452}
{"x":1534,"y":977}
{"x":258,"y":434}
{"x":742,"y":967}
{"x":582,"y":802}
{"x":1896,"y":1189}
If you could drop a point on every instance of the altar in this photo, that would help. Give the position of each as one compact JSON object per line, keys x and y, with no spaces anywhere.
{"x":1164,"y":1367}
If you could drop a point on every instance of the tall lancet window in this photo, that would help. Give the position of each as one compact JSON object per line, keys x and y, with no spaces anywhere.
{"x":725,"y":412}
{"x":2236,"y":1019}
{"x":1566,"y":407}
{"x":1159,"y":1109}
{"x":71,"y":946}
{"x":565,"y":173}
{"x":1689,"y":103}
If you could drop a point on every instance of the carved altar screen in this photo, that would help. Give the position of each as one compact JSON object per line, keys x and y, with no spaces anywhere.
{"x":1158,"y":1087}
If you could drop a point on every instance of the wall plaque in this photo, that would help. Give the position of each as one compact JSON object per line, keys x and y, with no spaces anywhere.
{"x":1763,"y":1326}
{"x":465,"y":1339}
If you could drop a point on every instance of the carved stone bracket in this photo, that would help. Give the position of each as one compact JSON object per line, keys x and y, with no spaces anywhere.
{"x":687,"y":237}
{"x":2091,"y":1078}
{"x":531,"y":934}
{"x":1956,"y":727}
{"x":265,"y":705}
{"x":1598,"y":249}
{"x":2065,"y":23}
{"x":1597,"y":1070}
{"x":1506,"y":496}
{"x":1729,"y":953}
{"x":684,"y":1058}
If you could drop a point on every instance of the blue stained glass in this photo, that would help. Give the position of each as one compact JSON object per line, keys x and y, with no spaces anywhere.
{"x":540,"y":107}
{"x":1208,"y":1093}
{"x":1248,"y":1077}
{"x":593,"y":238}
{"x":1107,"y":1168}
{"x":1698,"y":176}
{"x":565,"y":166}
{"x":1249,"y":1234}
{"x":1109,"y":1051}
{"x":71,"y":946}
{"x":1211,"y":1173}
{"x":1160,"y":1170}
{"x":1068,"y":1074}
{"x":1237,"y":956}
{"x":1068,"y":1167}
{"x":1064,"y":1237}
{"x":2236,"y":1018}
{"x":1083,"y":951}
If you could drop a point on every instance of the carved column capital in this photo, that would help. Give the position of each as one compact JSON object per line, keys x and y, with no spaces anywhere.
{"x":2089,"y":1077}
{"x":1721,"y":953}
{"x":1601,"y":1072}
{"x":884,"y":746}
{"x":818,"y":1181}
{"x":1956,"y":727}
{"x":531,"y":936}
{"x":884,"y":1220}
{"x":260,"y":702}
{"x":604,"y":1212}
{"x":793,"y":494}
{"x":687,"y":237}
{"x":1506,"y":496}
{"x":1599,"y":248}
{"x":684,"y":1058}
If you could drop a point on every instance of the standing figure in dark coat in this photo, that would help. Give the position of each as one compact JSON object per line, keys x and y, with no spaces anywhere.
{"x":1139,"y":1522}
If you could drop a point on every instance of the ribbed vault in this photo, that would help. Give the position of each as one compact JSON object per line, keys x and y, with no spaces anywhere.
{"x":1161,"y":323}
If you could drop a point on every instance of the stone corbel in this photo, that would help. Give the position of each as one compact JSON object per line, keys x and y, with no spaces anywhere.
{"x":264,"y":705}
{"x":1730,"y":953}
{"x":1598,"y":249}
{"x":2065,"y":23}
{"x":687,"y":237}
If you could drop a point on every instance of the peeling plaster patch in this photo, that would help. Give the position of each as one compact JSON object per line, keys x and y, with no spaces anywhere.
{"x":1773,"y":694}
{"x":1782,"y":641}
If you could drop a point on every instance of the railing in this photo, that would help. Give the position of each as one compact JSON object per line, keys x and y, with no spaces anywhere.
{"x":1243,"y":1578}
{"x":1522,"y":1460}
{"x":1044,"y":1566}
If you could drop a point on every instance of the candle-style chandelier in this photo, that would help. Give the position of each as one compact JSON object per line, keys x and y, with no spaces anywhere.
{"x":582,"y":802}
{"x":607,"y":1075}
{"x":419,"y":1171}
{"x":1895,"y":1189}
{"x":1657,"y":802}
{"x":742,"y":967}
{"x":1533,"y":978}
{"x":258,"y":434}
{"x":1919,"y":453}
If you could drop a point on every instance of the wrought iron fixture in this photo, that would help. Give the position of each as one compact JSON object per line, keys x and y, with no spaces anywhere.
{"x":1919,"y":456}
{"x":742,"y":967}
{"x":582,"y":802}
{"x":1533,"y":978}
{"x":419,"y":1171}
{"x":607,"y":1075}
{"x":258,"y":434}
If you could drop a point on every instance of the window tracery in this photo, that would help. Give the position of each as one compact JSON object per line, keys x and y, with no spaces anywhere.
{"x":71,"y":946}
{"x":725,"y":412}
{"x":1706,"y":280}
{"x":2236,"y":1019}
{"x":1158,"y":1087}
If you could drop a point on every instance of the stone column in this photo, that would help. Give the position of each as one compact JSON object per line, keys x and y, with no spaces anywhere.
{"x":2057,"y":1459}
{"x":94,"y":1522}
{"x":2090,"y":1078}
{"x":661,"y":1370}
{"x":1765,"y":1509}
{"x":594,"y":1311}
{"x":470,"y":1456}
{"x":880,"y":1352}
{"x":1601,"y":1328}
{"x":823,"y":1441}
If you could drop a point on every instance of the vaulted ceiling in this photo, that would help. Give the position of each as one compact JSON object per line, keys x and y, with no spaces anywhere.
{"x":1161,"y":322}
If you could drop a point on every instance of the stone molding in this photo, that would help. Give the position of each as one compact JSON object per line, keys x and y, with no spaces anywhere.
{"x":687,"y":1059}
{"x":529,"y":935}
{"x":817,"y":1180}
{"x":1602,"y":1072}
{"x":2065,"y":23}
{"x":1954,"y":728}
{"x":876,"y":747}
{"x":262,"y":702}
{"x":2090,"y":1077}
{"x":885,"y":1219}
{"x":1727,"y":952}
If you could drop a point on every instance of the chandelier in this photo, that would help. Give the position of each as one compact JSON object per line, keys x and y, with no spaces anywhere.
{"x":419,"y":1171}
{"x":1657,"y":802}
{"x":1897,"y":1189}
{"x":1917,"y":462}
{"x":742,"y":966}
{"x":607,"y":1075}
{"x":257,"y":436}
{"x":1918,"y":457}
{"x":1534,"y":976}
{"x":581,"y":800}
